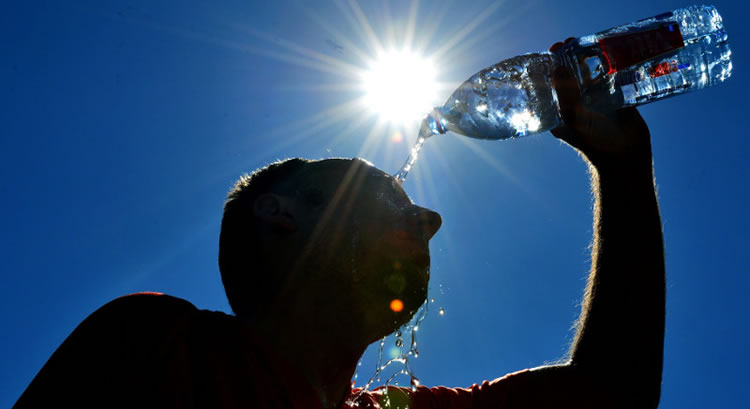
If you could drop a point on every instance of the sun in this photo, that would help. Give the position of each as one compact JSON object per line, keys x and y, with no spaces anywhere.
{"x":400,"y":86}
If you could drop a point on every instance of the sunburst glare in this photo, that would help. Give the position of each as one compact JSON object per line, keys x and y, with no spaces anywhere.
{"x":374,"y":65}
{"x":400,"y":86}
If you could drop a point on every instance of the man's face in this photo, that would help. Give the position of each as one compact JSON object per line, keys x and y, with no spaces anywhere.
{"x":367,"y":236}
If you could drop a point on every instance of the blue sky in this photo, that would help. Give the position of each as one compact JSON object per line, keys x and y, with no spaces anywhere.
{"x":124,"y":124}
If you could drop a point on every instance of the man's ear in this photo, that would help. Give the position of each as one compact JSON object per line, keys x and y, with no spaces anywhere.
{"x":273,"y":209}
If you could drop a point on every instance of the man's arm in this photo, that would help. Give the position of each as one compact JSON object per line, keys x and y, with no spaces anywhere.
{"x":616,"y":357}
{"x":620,"y":333}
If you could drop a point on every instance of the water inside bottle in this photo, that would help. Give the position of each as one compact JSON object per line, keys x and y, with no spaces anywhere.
{"x":509,"y":99}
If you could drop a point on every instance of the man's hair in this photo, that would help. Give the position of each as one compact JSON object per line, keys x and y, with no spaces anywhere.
{"x":249,"y":287}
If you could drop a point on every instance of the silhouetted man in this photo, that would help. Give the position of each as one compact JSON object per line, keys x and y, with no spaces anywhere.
{"x":312,"y":253}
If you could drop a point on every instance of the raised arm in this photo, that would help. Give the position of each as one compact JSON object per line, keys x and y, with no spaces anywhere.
{"x":622,"y":317}
{"x":620,"y":333}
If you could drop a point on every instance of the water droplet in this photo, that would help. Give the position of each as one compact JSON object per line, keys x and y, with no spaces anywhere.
{"x":442,"y":311}
{"x":396,"y":354}
{"x":432,"y":300}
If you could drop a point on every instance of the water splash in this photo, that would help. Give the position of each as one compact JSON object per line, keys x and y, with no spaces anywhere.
{"x":356,"y":371}
{"x":409,"y":164}
{"x":403,"y":358}
{"x":432,"y":124}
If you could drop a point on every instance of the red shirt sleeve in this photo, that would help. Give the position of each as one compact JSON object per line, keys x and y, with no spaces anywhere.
{"x":496,"y":394}
{"x":559,"y":387}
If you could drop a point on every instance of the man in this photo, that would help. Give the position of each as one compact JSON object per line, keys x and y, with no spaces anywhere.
{"x":314,"y":255}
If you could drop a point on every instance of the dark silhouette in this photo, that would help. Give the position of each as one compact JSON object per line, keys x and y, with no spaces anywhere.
{"x":312,"y":253}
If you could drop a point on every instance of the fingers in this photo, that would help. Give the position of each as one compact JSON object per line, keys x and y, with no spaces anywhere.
{"x":568,"y":94}
{"x":556,"y":46}
{"x":576,"y":119}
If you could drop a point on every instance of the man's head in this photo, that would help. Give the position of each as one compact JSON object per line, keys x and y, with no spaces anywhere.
{"x":336,"y":233}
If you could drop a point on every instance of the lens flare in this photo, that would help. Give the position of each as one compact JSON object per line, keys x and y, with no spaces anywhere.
{"x":397,"y":137}
{"x":397,"y":305}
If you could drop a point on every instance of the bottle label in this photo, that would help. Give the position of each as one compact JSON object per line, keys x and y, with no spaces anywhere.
{"x":626,"y":50}
{"x":658,"y":70}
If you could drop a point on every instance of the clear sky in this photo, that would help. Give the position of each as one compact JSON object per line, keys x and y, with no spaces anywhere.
{"x":123,"y":126}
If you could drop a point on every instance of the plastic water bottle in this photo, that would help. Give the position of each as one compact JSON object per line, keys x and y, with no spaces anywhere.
{"x":629,"y":65}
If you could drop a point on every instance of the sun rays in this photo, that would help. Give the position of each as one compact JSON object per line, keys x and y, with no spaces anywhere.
{"x":355,"y":38}
{"x":362,"y":41}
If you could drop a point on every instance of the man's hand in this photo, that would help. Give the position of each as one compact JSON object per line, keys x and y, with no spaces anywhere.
{"x":619,"y":138}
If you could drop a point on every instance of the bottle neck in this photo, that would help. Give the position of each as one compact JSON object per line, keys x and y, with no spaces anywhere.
{"x":434,"y":124}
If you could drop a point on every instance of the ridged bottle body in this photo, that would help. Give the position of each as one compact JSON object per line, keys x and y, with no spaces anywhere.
{"x":628,"y":65}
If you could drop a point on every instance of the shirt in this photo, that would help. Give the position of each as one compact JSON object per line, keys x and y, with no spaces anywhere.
{"x":155,"y":350}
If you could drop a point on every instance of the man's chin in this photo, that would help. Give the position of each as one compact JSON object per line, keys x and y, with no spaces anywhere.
{"x":392,"y":312}
{"x":412,"y":301}
{"x":394,"y":292}
{"x":408,"y":284}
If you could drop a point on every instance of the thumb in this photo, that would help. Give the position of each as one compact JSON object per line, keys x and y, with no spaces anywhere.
{"x":571,"y":108}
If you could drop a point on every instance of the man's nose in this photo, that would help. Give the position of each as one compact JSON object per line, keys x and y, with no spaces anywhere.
{"x":426,"y":221}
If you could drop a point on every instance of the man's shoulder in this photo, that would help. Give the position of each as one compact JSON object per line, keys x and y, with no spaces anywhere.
{"x":147,"y":310}
{"x":147,"y":303}
{"x":111,"y":347}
